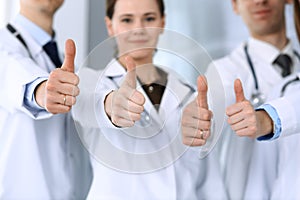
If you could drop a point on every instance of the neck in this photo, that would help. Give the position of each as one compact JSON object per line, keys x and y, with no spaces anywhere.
{"x":148,"y":74}
{"x":138,"y":62}
{"x":145,"y":70}
{"x":40,"y":19}
{"x":278,"y":40}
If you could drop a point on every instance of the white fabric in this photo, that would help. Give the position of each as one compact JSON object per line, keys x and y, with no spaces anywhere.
{"x":279,"y":158}
{"x":236,"y":152}
{"x":40,"y":154}
{"x":187,"y":178}
{"x":287,"y":107}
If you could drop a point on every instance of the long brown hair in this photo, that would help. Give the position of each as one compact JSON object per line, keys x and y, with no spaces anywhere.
{"x":297,"y":17}
{"x":110,"y":7}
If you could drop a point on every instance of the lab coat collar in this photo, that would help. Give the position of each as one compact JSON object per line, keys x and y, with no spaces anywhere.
{"x":180,"y":88}
{"x":114,"y":69}
{"x":34,"y":43}
{"x":37,"y":33}
{"x":176,"y":95}
{"x":34,"y":48}
{"x":176,"y":88}
{"x":267,"y":51}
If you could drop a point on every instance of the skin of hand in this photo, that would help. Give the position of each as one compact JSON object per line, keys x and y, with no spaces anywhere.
{"x":125,"y":105}
{"x":196,"y":118}
{"x":58,"y":94}
{"x":244,"y":120}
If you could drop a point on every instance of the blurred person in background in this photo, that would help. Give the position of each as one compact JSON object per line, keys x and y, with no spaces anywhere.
{"x":40,"y":153}
{"x":137,"y":98}
{"x":260,"y":63}
{"x":276,"y":119}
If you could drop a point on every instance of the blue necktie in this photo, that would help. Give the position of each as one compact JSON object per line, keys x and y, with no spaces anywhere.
{"x":52,"y":51}
{"x":285,"y":63}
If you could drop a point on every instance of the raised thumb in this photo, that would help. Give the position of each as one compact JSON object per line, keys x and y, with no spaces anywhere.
{"x":131,"y":74}
{"x":238,"y":90}
{"x":202,"y":91}
{"x":70,"y":51}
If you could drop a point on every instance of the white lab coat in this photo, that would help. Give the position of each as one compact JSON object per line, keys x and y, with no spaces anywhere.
{"x":235,"y":152}
{"x":279,"y":158}
{"x":114,"y":178}
{"x":40,"y":154}
{"x":287,"y":106}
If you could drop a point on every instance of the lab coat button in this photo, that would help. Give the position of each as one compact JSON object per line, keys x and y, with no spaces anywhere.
{"x":150,"y":88}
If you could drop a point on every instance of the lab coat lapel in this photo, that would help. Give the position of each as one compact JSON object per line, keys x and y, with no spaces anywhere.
{"x":179,"y":92}
{"x":175,"y":95}
{"x":263,"y":66}
{"x":35,"y":50}
{"x":150,"y":111}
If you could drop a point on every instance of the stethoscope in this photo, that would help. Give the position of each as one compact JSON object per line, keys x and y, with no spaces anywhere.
{"x":287,"y":84}
{"x":258,"y":98}
{"x":19,"y":37}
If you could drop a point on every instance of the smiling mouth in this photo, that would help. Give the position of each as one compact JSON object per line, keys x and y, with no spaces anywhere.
{"x":139,"y":41}
{"x":262,"y":13}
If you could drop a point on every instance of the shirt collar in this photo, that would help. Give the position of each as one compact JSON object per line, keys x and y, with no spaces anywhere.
{"x":38,"y":34}
{"x":114,"y":69}
{"x":267,"y":51}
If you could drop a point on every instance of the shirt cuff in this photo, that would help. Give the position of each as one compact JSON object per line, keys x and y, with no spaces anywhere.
{"x":276,"y":122}
{"x":29,"y":100}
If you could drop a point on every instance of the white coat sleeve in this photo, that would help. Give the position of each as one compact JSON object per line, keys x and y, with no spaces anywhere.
{"x":288,"y":110}
{"x":89,"y":110}
{"x":16,"y":71}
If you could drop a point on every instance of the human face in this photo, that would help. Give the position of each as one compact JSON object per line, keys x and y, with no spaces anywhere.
{"x":47,"y":7}
{"x":136,"y":25}
{"x":262,"y":17}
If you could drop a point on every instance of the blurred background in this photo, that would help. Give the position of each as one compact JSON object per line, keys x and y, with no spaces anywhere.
{"x":211,"y":23}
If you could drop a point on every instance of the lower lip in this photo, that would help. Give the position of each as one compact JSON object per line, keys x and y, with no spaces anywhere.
{"x":139,"y":42}
{"x":262,"y":13}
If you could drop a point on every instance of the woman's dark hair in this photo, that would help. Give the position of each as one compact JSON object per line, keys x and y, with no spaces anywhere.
{"x":297,"y":17}
{"x":110,"y":7}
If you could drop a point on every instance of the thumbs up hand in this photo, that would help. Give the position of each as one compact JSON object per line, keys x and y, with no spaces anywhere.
{"x":196,"y":118}
{"x":241,"y":115}
{"x":58,"y":93}
{"x":125,"y":105}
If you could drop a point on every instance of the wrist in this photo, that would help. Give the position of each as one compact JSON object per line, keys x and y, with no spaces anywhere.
{"x":265,"y":123}
{"x":40,"y":93}
{"x":108,"y":104}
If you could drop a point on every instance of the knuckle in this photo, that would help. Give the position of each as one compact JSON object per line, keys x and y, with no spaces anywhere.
{"x":76,"y":80}
{"x":206,"y":126}
{"x":50,"y":86}
{"x":186,"y":141}
{"x":206,"y":115}
{"x":75,"y":91}
{"x":115,"y":120}
{"x":74,"y":100}
{"x":53,"y":74}
{"x":68,"y":108}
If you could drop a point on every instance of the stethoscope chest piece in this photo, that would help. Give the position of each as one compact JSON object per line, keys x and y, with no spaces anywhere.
{"x":257,"y":99}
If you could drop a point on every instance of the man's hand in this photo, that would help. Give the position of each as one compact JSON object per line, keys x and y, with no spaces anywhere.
{"x":125,"y":105}
{"x":196,"y":119}
{"x":58,"y":93}
{"x":243,"y":119}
